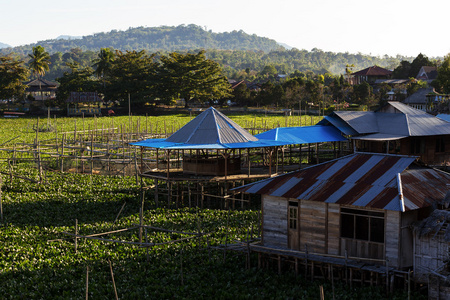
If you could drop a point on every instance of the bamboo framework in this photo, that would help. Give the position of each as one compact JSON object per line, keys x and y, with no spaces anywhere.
{"x":106,"y":150}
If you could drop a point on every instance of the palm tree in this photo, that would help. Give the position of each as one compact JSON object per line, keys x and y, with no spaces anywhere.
{"x":103,"y":63}
{"x":40,"y":59}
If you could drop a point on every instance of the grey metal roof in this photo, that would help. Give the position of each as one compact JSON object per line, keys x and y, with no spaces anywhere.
{"x":361,"y":121}
{"x":396,"y":119}
{"x":419,"y":97}
{"x":337,"y":122}
{"x":379,"y":181}
{"x":395,"y":124}
{"x":211,"y":127}
{"x":379,"y":137}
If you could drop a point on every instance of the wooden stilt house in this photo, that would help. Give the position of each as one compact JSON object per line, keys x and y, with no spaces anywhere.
{"x":359,"y":207}
{"x":210,"y":150}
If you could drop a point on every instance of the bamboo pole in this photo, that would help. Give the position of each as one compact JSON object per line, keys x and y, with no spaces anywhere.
{"x":112,"y":277}
{"x":120,"y":211}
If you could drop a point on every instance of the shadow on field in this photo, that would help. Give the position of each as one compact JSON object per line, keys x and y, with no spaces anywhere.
{"x":60,"y":213}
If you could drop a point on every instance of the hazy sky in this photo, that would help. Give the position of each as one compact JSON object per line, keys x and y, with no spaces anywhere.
{"x":405,"y":27}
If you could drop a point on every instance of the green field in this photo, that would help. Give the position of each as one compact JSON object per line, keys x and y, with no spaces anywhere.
{"x":39,"y":259}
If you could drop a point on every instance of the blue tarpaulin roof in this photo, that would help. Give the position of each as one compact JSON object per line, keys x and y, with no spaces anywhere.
{"x":303,"y":135}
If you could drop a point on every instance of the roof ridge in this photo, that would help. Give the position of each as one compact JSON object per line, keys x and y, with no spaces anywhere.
{"x":216,"y":123}
{"x":198,"y":125}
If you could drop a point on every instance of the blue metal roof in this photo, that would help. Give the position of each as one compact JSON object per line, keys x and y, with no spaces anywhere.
{"x":164,"y":144}
{"x":210,"y":130}
{"x":211,"y":127}
{"x":444,"y":117}
{"x":303,"y":135}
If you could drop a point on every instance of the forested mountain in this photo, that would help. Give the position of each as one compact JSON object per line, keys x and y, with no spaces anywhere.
{"x":242,"y":56}
{"x":164,"y":38}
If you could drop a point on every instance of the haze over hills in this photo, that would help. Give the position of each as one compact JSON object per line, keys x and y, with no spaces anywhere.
{"x":2,"y":45}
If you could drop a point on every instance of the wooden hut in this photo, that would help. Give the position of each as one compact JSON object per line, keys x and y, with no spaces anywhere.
{"x":432,"y":253}
{"x":210,"y":150}
{"x":358,"y":207}
{"x":84,"y":103}
{"x":396,"y":128}
{"x":41,"y":89}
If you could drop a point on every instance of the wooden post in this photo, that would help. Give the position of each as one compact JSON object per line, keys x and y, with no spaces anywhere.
{"x":332,"y":280}
{"x":87,"y":282}
{"x":306,"y":261}
{"x":249,"y":162}
{"x":156,"y":192}
{"x":141,"y":215}
{"x":146,"y":241}
{"x":39,"y":162}
{"x":37,"y":132}
{"x":387,"y":276}
{"x":189,"y":194}
{"x":317,"y":153}
{"x":76,"y":233}
{"x":136,"y":166}
{"x":181,"y":266}
{"x":1,"y":202}
{"x":92,"y":155}
{"x":62,"y":153}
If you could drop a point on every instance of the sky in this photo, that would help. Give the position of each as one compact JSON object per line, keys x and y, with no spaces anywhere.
{"x":382,"y":27}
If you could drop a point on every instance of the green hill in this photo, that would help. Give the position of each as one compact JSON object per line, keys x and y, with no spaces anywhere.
{"x":163,"y":38}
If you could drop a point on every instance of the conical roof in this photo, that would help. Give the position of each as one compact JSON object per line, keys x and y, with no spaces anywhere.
{"x":211,"y":127}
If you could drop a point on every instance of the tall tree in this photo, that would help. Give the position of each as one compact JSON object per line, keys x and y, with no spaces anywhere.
{"x":410,"y":70}
{"x":79,"y":79}
{"x":12,"y":74}
{"x":442,"y":82}
{"x":191,"y":77}
{"x":39,"y":61}
{"x":132,"y":75}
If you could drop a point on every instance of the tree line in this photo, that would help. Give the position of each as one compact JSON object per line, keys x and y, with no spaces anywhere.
{"x":117,"y":76}
{"x":164,"y":77}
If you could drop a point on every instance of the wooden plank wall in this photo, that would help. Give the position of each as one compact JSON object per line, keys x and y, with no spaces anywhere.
{"x":333,"y":228}
{"x":431,"y":252}
{"x":275,"y":223}
{"x":392,"y":235}
{"x":313,"y":226}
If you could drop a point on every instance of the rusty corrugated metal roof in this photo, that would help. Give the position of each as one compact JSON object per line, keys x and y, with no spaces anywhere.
{"x":361,"y":179}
